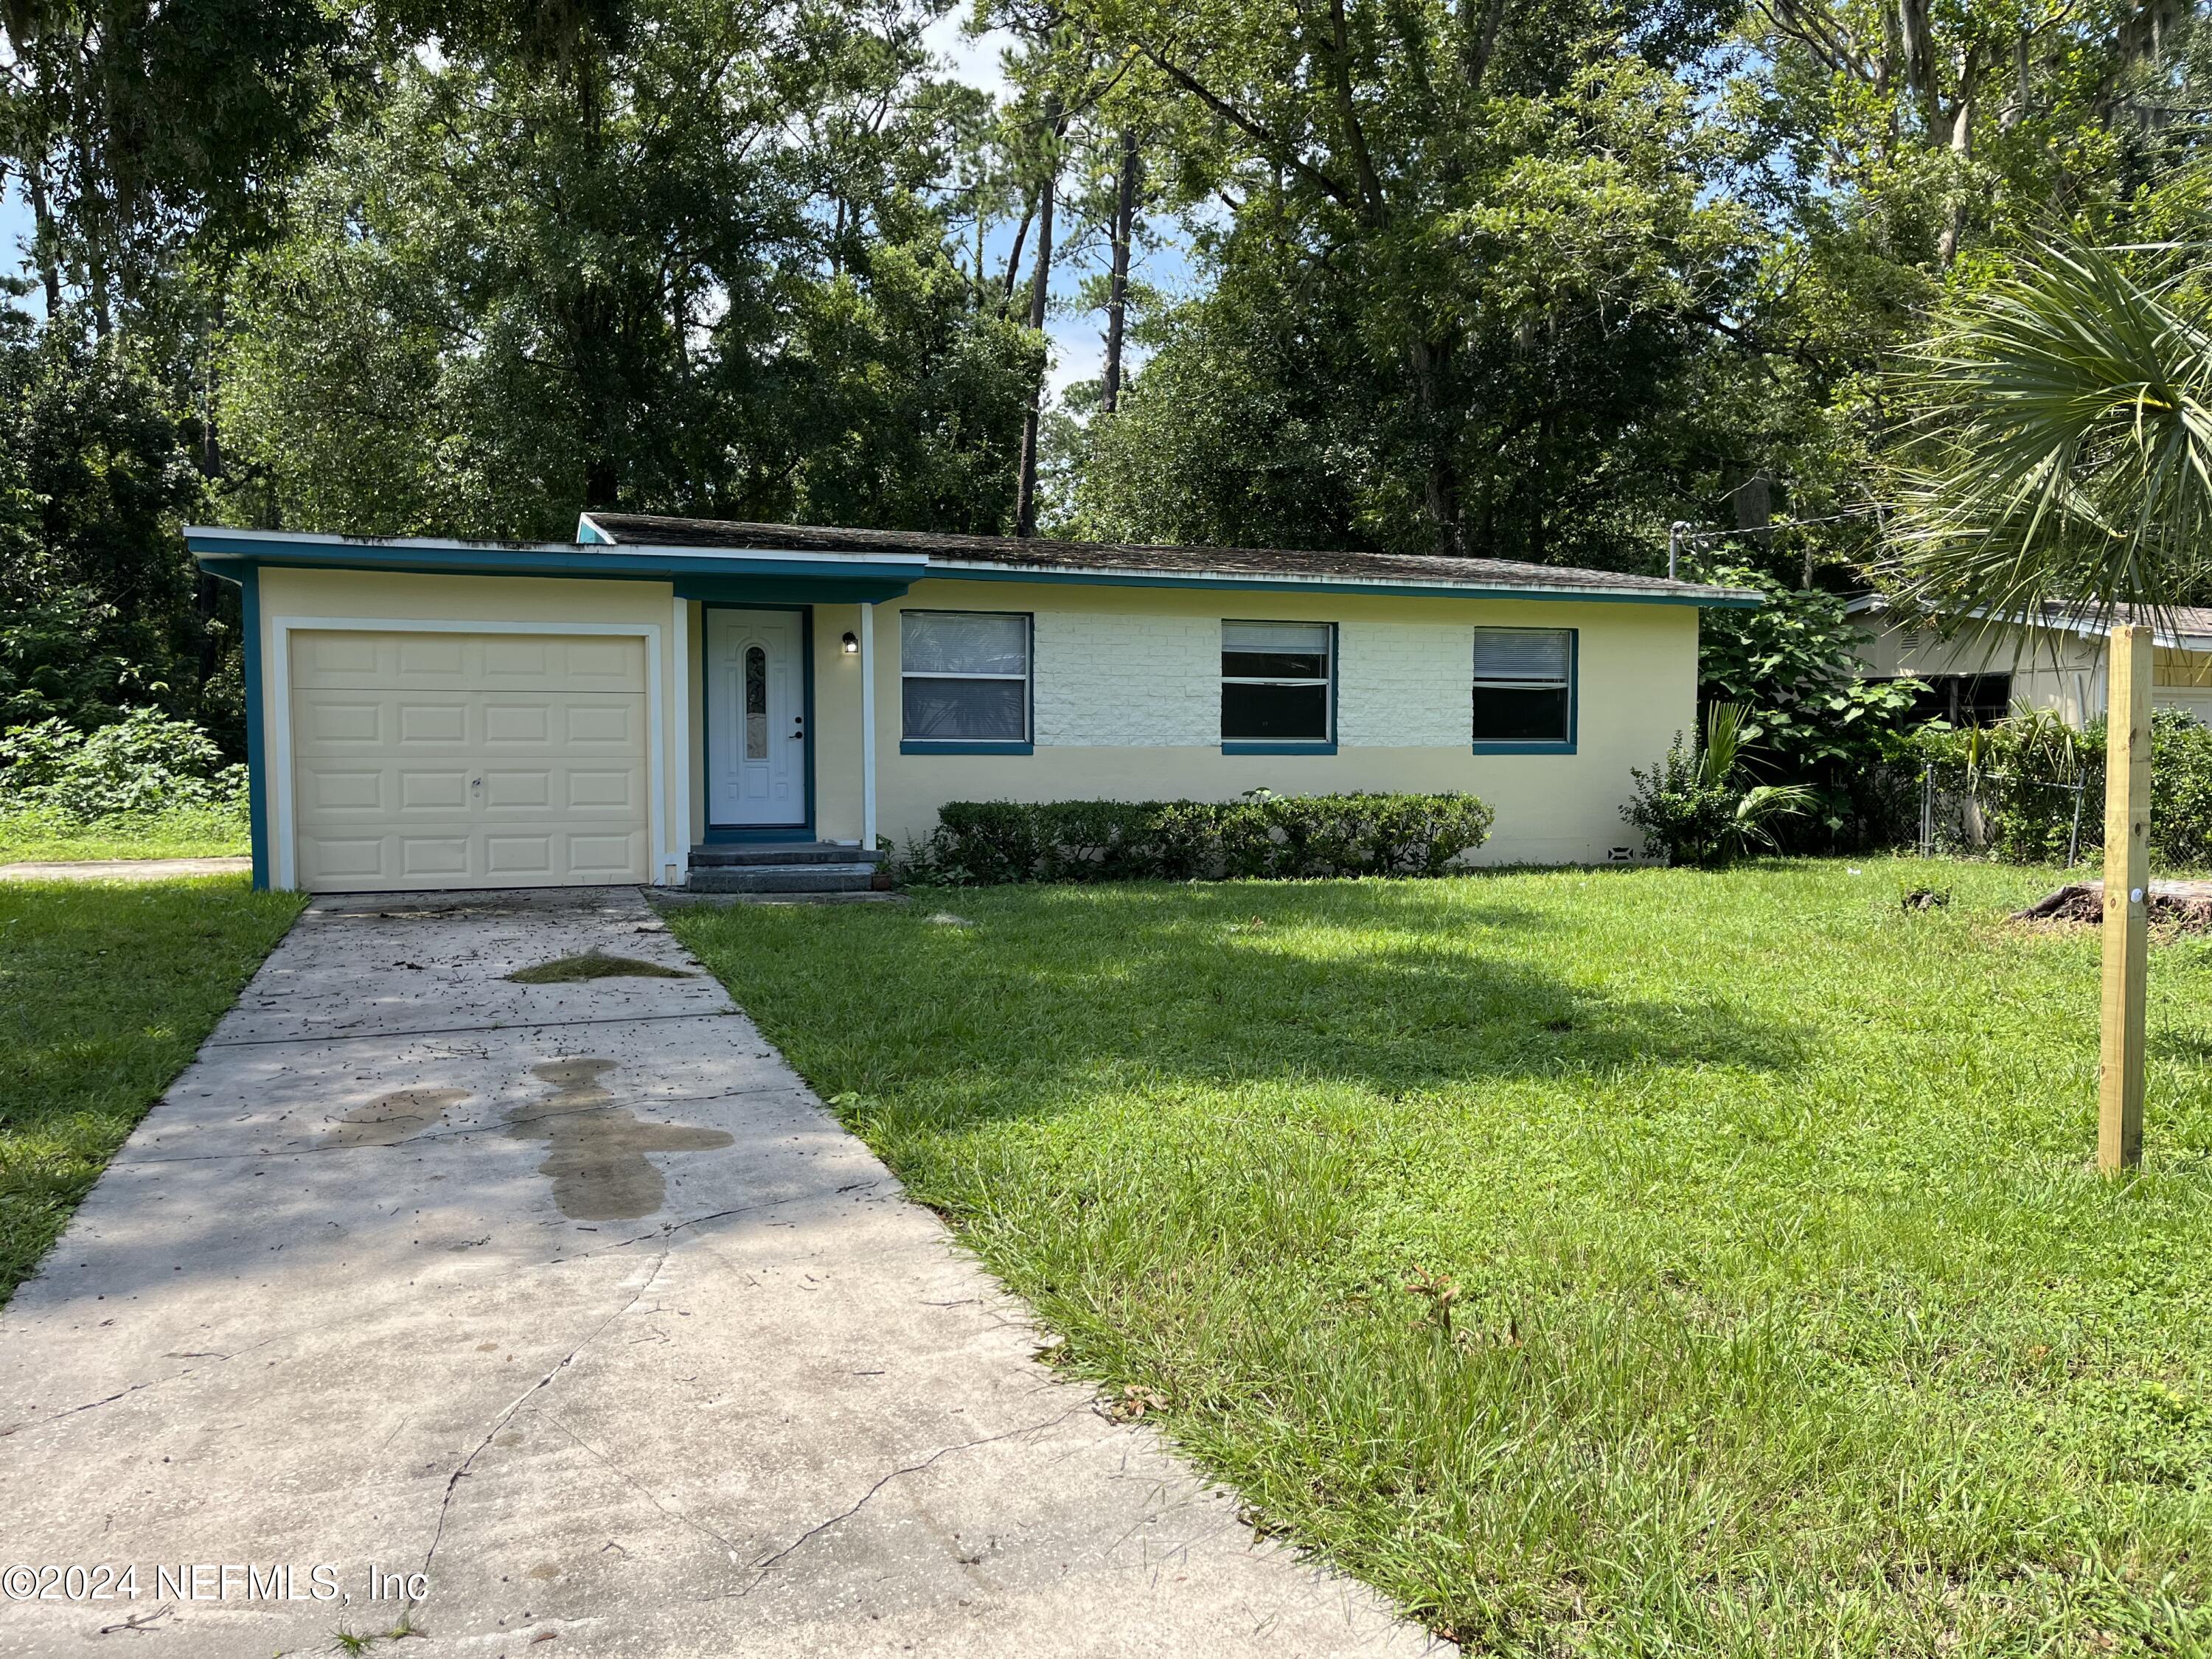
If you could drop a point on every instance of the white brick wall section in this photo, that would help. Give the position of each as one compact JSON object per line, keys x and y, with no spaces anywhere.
{"x":1404,"y":685}
{"x":1107,"y":681}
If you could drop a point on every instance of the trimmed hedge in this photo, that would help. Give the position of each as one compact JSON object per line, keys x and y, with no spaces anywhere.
{"x":1262,"y":834}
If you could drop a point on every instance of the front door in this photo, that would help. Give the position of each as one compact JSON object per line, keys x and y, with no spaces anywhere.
{"x":756,"y":734}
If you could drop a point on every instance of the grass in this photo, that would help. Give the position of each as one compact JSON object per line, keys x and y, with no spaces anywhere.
{"x":105,"y":991}
{"x":1600,"y":1262}
{"x":187,"y":833}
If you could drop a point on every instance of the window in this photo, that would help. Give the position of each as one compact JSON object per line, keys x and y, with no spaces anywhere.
{"x":1962,"y":700}
{"x":1275,"y":680}
{"x":964,"y":680}
{"x":1524,"y":692}
{"x":756,"y":704}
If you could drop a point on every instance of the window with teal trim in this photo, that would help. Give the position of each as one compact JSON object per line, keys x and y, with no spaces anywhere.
{"x":1275,"y":681}
{"x":964,"y":677}
{"x":1524,"y":686}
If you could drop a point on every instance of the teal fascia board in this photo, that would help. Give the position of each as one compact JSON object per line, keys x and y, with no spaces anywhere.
{"x":828,"y":588}
{"x":818,"y":579}
{"x":257,"y":770}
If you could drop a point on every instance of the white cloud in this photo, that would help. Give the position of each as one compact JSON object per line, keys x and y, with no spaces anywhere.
{"x":973,"y":60}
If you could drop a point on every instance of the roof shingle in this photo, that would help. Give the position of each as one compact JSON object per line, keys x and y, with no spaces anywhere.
{"x":651,"y":529}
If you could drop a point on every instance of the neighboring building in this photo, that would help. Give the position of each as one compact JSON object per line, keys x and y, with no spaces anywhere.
{"x":427,"y":714}
{"x":1978,"y":675}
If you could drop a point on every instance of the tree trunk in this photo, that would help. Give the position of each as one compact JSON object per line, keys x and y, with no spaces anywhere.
{"x":1026,"y":488}
{"x":1962,"y":148}
{"x":1117,"y":285}
{"x":46,"y":249}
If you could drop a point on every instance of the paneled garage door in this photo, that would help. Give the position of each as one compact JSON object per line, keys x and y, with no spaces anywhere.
{"x":467,"y":760}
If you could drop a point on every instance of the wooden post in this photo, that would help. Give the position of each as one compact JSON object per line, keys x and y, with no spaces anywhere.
{"x":2127,"y":893}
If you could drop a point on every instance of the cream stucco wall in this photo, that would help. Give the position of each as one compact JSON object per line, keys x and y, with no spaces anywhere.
{"x":1128,"y":694}
{"x":1127,"y":697}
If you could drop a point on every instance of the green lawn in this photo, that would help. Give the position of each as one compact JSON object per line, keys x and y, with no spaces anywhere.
{"x":105,"y":989}
{"x":1788,"y":1318}
{"x":188,"y":833}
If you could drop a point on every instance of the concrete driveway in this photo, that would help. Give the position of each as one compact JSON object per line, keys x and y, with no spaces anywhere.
{"x":565,"y":1315}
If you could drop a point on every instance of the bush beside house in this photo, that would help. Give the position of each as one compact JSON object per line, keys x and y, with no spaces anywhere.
{"x":144,"y":782}
{"x":1262,"y":834}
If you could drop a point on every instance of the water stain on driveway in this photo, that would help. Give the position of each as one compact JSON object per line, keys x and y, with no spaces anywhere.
{"x":596,"y":1151}
{"x":390,"y":1119}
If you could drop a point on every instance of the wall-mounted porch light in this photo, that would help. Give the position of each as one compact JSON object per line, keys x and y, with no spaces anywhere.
{"x":852,"y":645}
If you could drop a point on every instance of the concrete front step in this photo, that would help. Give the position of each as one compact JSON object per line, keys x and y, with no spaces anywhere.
{"x":742,"y":854}
{"x":847,"y":878}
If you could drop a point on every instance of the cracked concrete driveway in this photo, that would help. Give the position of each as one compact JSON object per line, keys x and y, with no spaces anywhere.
{"x":572,"y":1300}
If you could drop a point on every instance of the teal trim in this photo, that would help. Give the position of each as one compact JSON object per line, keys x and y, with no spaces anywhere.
{"x":780,"y":592}
{"x":1386,"y":590}
{"x":822,"y":578}
{"x":804,"y":829}
{"x":1243,"y":748}
{"x":590,"y":534}
{"x":1574,"y":711}
{"x":257,"y":769}
{"x":959,"y":746}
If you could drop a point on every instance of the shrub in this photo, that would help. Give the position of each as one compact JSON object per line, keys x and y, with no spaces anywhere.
{"x":2016,"y":772}
{"x":1696,"y":807}
{"x":143,"y":764}
{"x":1793,"y":665}
{"x":1262,"y":834}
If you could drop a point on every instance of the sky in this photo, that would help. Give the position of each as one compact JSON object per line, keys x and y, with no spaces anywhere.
{"x":1078,"y":345}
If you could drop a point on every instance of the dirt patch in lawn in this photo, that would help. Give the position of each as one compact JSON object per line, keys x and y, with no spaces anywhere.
{"x":2180,"y":908}
{"x":594,"y":964}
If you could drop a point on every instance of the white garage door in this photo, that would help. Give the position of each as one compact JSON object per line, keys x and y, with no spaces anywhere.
{"x":467,"y":760}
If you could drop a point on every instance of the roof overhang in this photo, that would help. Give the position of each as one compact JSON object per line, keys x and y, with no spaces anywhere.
{"x":731,"y":574}
{"x":941,"y":569}
{"x":2081,"y":624}
{"x":781,"y":576}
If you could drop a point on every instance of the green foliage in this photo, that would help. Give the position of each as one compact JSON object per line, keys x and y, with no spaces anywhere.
{"x":1462,"y":277}
{"x":144,"y":763}
{"x":1700,"y":806}
{"x":534,"y":278}
{"x":1792,"y":663}
{"x":100,"y":607}
{"x":2063,"y":455}
{"x":1260,"y":834}
{"x":2014,"y":772}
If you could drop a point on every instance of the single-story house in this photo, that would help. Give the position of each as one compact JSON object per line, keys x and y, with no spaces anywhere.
{"x":666,"y":694}
{"x":2052,"y":661}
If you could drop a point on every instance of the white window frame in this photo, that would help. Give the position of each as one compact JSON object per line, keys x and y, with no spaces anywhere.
{"x":1327,"y":681}
{"x":1027,"y":680}
{"x":1570,"y":682}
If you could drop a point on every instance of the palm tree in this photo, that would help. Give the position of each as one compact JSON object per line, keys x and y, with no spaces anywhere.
{"x":2062,"y":454}
{"x":2062,"y":458}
